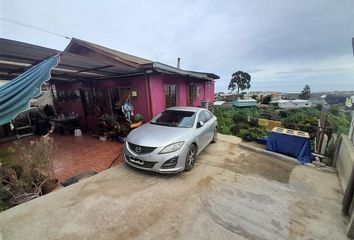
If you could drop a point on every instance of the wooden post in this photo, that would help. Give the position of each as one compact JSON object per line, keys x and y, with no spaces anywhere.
{"x":323,"y":125}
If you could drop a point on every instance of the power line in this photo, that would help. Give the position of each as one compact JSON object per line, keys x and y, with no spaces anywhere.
{"x":33,"y":27}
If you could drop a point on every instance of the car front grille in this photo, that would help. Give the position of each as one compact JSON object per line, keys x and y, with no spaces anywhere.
{"x":140,"y":149}
{"x":145,"y":164}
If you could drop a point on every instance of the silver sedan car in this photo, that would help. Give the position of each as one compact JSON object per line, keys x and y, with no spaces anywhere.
{"x":171,"y":141}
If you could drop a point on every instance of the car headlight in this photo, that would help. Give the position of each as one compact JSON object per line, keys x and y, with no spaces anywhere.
{"x":172,"y":147}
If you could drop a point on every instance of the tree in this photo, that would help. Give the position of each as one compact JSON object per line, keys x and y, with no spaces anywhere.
{"x":266,"y":99}
{"x":240,"y":80}
{"x":306,"y":92}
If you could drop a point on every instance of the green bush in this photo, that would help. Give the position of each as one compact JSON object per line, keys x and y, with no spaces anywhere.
{"x":235,"y":129}
{"x":232,"y":120}
{"x":138,"y":117}
{"x":319,"y":107}
{"x":252,"y":134}
{"x":340,"y":122}
{"x":334,"y":110}
{"x":244,"y":134}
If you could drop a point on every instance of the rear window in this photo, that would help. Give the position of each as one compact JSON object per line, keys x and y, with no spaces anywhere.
{"x":174,"y":118}
{"x":208,"y":115}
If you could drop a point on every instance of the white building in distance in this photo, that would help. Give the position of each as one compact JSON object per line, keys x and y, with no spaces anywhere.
{"x":288,"y":104}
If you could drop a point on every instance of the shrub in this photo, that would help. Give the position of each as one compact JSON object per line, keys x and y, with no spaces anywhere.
{"x":340,"y":123}
{"x":245,"y":135}
{"x":252,"y":134}
{"x":235,"y":129}
{"x":138,"y":117}
{"x":334,"y":110}
{"x":319,"y":107}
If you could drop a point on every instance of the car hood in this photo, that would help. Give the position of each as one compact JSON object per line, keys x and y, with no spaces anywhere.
{"x":152,"y":135}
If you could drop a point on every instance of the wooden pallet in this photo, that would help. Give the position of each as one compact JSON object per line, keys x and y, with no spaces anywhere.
{"x":291,"y":132}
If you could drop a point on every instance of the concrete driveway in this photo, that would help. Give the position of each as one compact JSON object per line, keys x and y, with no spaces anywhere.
{"x":230,"y":194}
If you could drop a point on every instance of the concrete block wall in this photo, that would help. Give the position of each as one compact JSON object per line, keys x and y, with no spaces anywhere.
{"x":344,"y":161}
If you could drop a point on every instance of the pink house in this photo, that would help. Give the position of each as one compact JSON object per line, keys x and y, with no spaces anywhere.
{"x":91,"y":80}
{"x":153,"y":86}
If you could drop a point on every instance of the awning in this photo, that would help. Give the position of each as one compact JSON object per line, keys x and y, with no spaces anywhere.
{"x":16,"y":94}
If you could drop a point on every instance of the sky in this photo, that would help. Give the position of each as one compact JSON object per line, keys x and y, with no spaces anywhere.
{"x":283,"y":45}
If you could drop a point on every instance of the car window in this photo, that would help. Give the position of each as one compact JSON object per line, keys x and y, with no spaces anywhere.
{"x":202,"y":117}
{"x":175,"y":118}
{"x":208,"y":115}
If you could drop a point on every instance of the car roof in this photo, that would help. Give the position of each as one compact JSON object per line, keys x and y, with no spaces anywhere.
{"x":191,"y":109}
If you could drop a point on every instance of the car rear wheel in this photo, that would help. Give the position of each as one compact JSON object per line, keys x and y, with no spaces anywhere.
{"x":191,"y":156}
{"x":215,"y":136}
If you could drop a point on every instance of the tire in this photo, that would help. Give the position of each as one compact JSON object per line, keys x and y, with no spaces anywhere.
{"x":191,"y":157}
{"x":215,"y":136}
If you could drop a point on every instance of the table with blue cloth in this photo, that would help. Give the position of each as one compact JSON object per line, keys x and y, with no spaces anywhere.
{"x":288,"y":144}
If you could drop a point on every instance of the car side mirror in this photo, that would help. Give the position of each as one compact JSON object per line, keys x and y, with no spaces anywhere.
{"x":200,"y":124}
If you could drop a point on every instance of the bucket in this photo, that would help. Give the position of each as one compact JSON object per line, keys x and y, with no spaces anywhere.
{"x":77,"y":133}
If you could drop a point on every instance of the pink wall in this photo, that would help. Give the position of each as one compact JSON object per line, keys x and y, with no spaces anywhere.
{"x":158,"y":95}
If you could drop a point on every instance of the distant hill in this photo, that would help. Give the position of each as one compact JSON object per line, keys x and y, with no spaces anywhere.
{"x":319,"y":94}
{"x":335,"y":93}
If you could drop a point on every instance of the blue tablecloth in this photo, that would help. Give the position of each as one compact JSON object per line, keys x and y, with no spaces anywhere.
{"x":294,"y":146}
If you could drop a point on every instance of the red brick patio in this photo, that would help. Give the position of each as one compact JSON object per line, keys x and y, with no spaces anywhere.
{"x":79,"y":154}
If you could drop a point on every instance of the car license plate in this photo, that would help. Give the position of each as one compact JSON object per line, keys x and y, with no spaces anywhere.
{"x":138,"y":161}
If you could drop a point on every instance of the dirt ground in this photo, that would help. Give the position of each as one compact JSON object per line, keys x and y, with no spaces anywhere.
{"x":230,"y":194}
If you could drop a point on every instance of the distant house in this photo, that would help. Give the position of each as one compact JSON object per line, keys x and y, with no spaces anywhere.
{"x":218,"y":103}
{"x":92,"y":80}
{"x":229,"y":97}
{"x":288,"y":104}
{"x":245,"y":103}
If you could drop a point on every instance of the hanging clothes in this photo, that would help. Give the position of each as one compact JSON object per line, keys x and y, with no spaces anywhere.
{"x":128,"y":109}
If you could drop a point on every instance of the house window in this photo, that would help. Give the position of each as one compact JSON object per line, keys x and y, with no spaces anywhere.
{"x":170,"y":95}
{"x":199,"y":90}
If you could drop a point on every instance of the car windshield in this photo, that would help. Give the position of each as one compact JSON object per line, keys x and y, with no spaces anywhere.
{"x":174,"y":118}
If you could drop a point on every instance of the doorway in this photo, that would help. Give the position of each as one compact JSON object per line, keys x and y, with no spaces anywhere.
{"x":170,"y":95}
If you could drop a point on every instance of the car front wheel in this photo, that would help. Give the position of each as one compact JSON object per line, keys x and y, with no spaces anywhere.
{"x":191,"y":156}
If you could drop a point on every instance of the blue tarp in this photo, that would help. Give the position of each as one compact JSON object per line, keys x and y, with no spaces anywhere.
{"x":16,"y":94}
{"x":294,"y":146}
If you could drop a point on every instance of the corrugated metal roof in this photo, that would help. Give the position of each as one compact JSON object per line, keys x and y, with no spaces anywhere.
{"x":114,"y":53}
{"x":138,"y":62}
{"x":16,"y":57}
{"x":246,"y":100}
